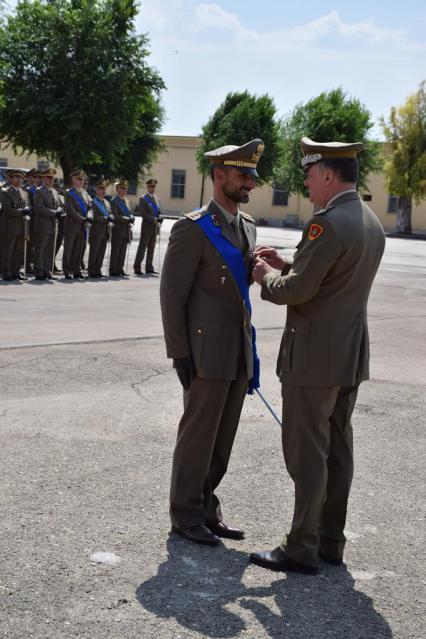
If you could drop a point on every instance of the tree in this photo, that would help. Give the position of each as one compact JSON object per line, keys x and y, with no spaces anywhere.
{"x":239,"y":119}
{"x":405,"y":166}
{"x":75,"y":86}
{"x":331,"y":116}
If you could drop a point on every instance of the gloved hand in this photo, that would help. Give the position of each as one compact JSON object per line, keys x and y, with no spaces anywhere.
{"x":111,"y":219}
{"x":185,"y":370}
{"x":88,"y":220}
{"x":131,"y":219}
{"x":26,"y":210}
{"x":59,"y":213}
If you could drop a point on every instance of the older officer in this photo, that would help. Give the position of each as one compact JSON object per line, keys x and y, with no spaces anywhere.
{"x":122,"y":230}
{"x":77,"y":204}
{"x":15,"y":220}
{"x":324,"y":352}
{"x":99,"y":232}
{"x":48,"y":211}
{"x":149,"y":209}
{"x":208,"y":333}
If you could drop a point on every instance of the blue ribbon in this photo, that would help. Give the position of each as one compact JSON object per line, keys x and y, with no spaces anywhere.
{"x":152,"y":204}
{"x":123,"y":206}
{"x":81,"y":203}
{"x":234,"y":259}
{"x":101,"y":206}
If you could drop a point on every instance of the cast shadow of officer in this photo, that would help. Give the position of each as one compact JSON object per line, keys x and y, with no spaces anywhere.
{"x":319,"y":607}
{"x":195,"y":586}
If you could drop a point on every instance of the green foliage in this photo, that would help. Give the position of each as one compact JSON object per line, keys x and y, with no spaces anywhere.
{"x":75,"y":86}
{"x":405,"y":132}
{"x":330,"y":117}
{"x":239,"y":119}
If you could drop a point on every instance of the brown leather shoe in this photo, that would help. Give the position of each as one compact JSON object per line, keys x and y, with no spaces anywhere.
{"x":198,"y":534}
{"x":222,"y":530}
{"x":278,"y":560}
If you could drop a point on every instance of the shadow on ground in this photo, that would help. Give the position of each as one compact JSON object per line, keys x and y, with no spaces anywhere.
{"x":201,"y":588}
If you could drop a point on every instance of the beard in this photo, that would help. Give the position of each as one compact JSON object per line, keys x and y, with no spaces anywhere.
{"x":240,"y":195}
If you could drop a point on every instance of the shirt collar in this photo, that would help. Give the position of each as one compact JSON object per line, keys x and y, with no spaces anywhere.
{"x":229,"y":217}
{"x":331,"y":200}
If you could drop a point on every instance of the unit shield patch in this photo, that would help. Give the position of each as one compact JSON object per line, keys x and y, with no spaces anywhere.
{"x":315,"y":230}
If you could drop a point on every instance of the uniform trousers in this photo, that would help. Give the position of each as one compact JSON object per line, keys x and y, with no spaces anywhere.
{"x":96,"y":254}
{"x":43,"y":257}
{"x":71,"y":261}
{"x":12,"y":254}
{"x":118,"y":255}
{"x":318,"y":452}
{"x":146,"y":243}
{"x":206,"y":433}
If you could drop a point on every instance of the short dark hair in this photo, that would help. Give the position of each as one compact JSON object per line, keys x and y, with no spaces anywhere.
{"x":216,"y":166}
{"x":346,"y":170}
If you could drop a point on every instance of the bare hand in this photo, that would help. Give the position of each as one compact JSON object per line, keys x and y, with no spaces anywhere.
{"x":260,"y":269}
{"x":270,"y":256}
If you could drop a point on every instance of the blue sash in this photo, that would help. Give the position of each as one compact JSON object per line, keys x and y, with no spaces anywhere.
{"x":123,"y":206}
{"x":32,"y":189}
{"x":152,"y":203}
{"x":234,"y":259}
{"x":101,"y":206}
{"x":81,"y":203}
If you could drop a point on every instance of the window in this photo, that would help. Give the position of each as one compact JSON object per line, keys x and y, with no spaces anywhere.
{"x":393,"y":202}
{"x":42,"y":165}
{"x":132,"y":188}
{"x":3,"y":161}
{"x":279,"y":196}
{"x":367,"y":197}
{"x":178,"y":183}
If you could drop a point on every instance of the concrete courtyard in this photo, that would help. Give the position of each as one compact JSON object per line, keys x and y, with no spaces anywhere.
{"x":89,"y":407}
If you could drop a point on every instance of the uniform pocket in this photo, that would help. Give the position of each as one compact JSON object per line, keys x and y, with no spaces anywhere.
{"x":294,"y":349}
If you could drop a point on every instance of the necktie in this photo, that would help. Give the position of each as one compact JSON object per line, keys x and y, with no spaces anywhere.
{"x":238,"y":234}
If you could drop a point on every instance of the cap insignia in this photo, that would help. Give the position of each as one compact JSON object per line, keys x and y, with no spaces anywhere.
{"x":256,"y":156}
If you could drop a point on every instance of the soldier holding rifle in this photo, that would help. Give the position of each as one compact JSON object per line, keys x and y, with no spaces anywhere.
{"x":15,"y":226}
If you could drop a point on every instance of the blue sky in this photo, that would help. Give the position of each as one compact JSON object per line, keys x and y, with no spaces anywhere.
{"x":291,"y":50}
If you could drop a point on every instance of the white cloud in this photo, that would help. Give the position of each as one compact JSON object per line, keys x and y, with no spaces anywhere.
{"x":213,"y":16}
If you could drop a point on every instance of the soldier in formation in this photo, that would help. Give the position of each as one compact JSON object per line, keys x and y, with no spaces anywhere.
{"x":149,"y":209}
{"x":14,"y":232}
{"x":48,"y":210}
{"x":121,"y":231}
{"x":100,"y":231}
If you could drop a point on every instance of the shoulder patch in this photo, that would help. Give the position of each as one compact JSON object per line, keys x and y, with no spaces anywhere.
{"x":315,"y":230}
{"x":247,"y":217}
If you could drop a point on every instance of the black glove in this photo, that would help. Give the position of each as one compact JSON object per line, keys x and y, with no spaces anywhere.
{"x":185,"y":371}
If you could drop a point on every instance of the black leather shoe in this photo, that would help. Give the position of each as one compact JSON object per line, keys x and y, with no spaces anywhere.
{"x":198,"y":534}
{"x":137,"y":271}
{"x":20,"y":277}
{"x":278,"y":560}
{"x":68,"y":276}
{"x":222,"y":530}
{"x":334,"y":561}
{"x":152,"y":272}
{"x":79,"y":276}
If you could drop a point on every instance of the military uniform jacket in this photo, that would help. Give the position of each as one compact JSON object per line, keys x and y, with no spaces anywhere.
{"x":12,"y":219}
{"x":99,"y":226}
{"x":202,"y":310}
{"x":73,"y":224}
{"x":326,"y":289}
{"x":145,"y":210}
{"x":45,"y":204}
{"x":121,"y":222}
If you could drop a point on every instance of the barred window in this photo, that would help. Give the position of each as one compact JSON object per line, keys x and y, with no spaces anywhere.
{"x":3,"y":162}
{"x":42,"y":165}
{"x":279,"y":196}
{"x":178,"y":184}
{"x":393,"y":202}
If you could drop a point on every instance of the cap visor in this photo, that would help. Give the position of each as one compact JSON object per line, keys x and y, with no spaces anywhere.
{"x":248,"y":170}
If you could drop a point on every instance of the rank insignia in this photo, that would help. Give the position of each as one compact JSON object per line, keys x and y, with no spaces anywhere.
{"x":315,"y":230}
{"x":215,"y":219}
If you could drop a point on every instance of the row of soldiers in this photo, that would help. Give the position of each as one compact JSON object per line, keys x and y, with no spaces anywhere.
{"x":37,"y":219}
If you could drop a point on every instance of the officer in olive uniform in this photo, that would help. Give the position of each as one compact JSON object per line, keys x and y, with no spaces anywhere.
{"x":324,"y":353}
{"x":48,"y":211}
{"x":121,"y":231}
{"x":15,"y":226}
{"x":100,"y":229}
{"x":149,"y":209}
{"x":34,"y":180}
{"x":208,"y":334}
{"x":77,"y":206}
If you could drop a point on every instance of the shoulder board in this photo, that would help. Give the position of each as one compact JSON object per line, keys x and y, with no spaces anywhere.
{"x":247,"y":217}
{"x":195,"y":215}
{"x":323,"y":211}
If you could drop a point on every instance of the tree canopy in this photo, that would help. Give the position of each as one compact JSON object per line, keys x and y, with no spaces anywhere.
{"x":332,"y":116}
{"x":75,"y":86}
{"x":241,"y":118}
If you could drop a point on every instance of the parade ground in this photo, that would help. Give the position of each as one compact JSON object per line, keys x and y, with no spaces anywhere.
{"x":89,"y":407}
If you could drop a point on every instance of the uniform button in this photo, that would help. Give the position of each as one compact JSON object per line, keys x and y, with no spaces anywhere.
{"x":292,"y":330}
{"x":224,"y":266}
{"x":199,"y":331}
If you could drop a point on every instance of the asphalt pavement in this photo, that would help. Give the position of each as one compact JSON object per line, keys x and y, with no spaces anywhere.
{"x":89,"y":407}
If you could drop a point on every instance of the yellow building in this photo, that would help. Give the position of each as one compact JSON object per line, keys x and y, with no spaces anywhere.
{"x":181,"y":188}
